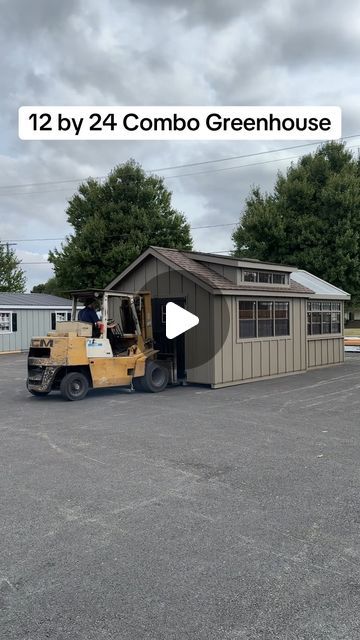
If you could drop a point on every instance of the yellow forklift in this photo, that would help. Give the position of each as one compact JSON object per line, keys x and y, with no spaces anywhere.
{"x":118,"y":352}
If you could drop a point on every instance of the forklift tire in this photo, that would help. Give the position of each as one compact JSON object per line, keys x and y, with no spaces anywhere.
{"x":156,"y":378}
{"x":74,"y":386}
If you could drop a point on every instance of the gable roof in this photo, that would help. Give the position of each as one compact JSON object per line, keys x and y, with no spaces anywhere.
{"x":33,"y":300}
{"x":206,"y":277}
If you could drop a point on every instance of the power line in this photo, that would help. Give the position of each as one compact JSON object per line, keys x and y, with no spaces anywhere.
{"x":180,"y":175}
{"x":124,"y":235}
{"x":200,"y":251}
{"x":179,"y":166}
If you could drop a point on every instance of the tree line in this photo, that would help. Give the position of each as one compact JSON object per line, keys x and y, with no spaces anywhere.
{"x":311,"y":219}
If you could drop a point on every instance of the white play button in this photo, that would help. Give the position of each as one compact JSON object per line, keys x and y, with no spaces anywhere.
{"x":178,"y":320}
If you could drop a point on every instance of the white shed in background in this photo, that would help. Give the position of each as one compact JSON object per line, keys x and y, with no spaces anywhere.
{"x":24,"y":315}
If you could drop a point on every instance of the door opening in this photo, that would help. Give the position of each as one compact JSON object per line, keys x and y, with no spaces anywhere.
{"x":168,"y":349}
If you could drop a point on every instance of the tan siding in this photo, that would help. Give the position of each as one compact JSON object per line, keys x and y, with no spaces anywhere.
{"x":139,"y":277}
{"x":325,"y":351}
{"x":238,"y":363}
{"x":231,"y":273}
{"x":247,"y":360}
{"x":265,"y":358}
{"x":273,"y":358}
{"x":175,"y":282}
{"x":228,"y":346}
{"x":289,"y":355}
{"x":163,"y":284}
{"x":151,"y":273}
{"x":217,"y":332}
{"x":256,"y":362}
{"x":260,"y":358}
{"x":311,"y":356}
{"x":318,"y":353}
{"x":219,"y":268}
{"x":302,"y":338}
{"x":127,"y":284}
{"x":201,"y":373}
{"x":281,"y":356}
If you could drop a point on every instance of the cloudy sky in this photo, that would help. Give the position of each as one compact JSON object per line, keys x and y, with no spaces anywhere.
{"x":165,"y":52}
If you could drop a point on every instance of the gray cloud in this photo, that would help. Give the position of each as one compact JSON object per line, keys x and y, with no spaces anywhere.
{"x":136,"y":52}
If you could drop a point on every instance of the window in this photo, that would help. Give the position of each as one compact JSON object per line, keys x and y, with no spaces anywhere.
{"x":266,"y":277}
{"x":5,"y":322}
{"x":282,"y":319}
{"x":61,"y":316}
{"x":250,"y":276}
{"x":8,"y":322}
{"x":323,"y":317}
{"x":247,"y":319}
{"x":263,"y":319}
{"x":279,"y":278}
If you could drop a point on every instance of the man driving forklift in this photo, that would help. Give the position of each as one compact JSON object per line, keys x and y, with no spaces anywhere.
{"x":88,"y":314}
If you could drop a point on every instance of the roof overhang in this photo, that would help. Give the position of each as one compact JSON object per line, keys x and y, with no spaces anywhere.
{"x":16,"y":307}
{"x":261,"y":293}
{"x":151,"y":251}
{"x":238,"y":262}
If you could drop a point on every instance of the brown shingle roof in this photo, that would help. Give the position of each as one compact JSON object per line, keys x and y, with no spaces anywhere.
{"x":215,"y":280}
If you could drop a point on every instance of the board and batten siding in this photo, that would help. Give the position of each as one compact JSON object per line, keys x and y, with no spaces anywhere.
{"x":325,"y":350}
{"x":30,"y":323}
{"x":164,"y":282}
{"x":239,"y":360}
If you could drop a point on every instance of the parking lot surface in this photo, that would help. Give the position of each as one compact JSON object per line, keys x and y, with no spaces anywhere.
{"x":190,"y":514}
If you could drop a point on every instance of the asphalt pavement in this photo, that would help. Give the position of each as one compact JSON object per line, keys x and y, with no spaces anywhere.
{"x":193,"y":514}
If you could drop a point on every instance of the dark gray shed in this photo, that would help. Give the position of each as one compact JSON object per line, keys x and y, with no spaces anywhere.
{"x":24,"y":315}
{"x":257,"y":319}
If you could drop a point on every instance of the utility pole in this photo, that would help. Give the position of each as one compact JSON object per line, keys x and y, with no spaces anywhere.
{"x":8,"y":245}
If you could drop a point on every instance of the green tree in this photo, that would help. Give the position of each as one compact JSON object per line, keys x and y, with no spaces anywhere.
{"x":50,"y":286}
{"x":12,"y":277}
{"x":113,"y":223}
{"x":311,"y":220}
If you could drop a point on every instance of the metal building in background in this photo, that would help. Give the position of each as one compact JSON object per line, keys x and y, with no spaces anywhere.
{"x":24,"y":315}
{"x":257,"y":319}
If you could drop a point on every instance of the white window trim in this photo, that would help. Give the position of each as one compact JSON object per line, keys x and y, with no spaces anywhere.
{"x":9,"y":313}
{"x":57,"y":313}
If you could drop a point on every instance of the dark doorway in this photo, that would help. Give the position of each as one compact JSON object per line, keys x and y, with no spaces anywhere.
{"x":174,"y":349}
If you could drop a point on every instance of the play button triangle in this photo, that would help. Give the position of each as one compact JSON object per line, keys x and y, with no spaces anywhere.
{"x":178,"y":320}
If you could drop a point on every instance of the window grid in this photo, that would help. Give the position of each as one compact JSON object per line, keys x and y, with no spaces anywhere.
{"x":265,"y":277}
{"x":323,"y":317}
{"x":5,"y":322}
{"x":263,"y":319}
